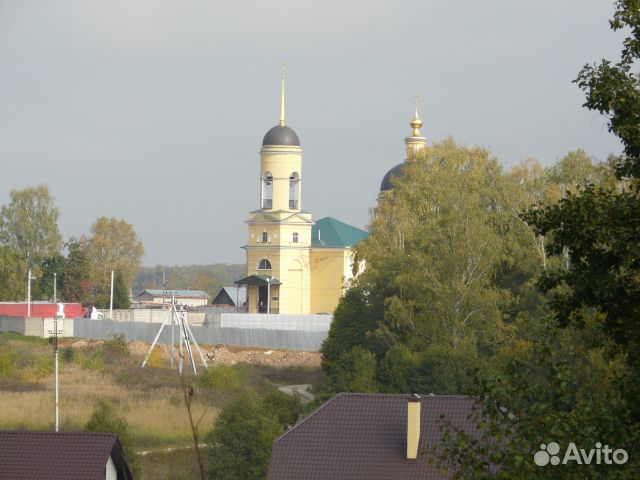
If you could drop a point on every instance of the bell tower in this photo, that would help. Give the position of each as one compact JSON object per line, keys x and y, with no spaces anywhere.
{"x":278,"y":270}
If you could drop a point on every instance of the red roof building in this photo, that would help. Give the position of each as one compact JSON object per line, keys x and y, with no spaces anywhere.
{"x":40,"y":309}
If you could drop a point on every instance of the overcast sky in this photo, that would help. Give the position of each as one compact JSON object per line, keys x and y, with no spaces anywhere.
{"x":154,"y":111}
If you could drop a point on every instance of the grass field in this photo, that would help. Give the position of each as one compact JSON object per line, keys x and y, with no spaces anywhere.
{"x":150,"y":399}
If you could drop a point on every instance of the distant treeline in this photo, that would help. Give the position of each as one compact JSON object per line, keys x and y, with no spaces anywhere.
{"x":209,"y":278}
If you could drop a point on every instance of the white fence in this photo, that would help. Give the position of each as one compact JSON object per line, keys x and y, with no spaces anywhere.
{"x":309,"y":323}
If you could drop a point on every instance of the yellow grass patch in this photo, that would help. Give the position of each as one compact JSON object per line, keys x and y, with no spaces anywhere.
{"x":156,"y":417}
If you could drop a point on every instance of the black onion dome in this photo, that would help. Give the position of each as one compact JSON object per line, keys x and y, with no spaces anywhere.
{"x":394,"y":172}
{"x":281,"y":135}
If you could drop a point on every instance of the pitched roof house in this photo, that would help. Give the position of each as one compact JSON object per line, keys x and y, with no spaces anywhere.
{"x":61,"y":456}
{"x":369,"y":436}
{"x":231,"y":296}
{"x":192,"y":298}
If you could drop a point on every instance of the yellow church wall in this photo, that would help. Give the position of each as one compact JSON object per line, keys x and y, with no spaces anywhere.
{"x":280,"y":234}
{"x":329,"y":268}
{"x":291,"y":268}
{"x":296,"y":281}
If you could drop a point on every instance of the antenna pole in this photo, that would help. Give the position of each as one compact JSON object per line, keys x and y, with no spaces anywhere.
{"x":55,"y":357}
{"x":29,"y":294}
{"x":173,"y":328}
{"x":111,"y":298}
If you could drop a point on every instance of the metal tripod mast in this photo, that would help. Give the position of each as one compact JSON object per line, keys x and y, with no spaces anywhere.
{"x":177,"y":316}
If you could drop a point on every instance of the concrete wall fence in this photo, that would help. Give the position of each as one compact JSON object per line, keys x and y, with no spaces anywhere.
{"x":290,"y":332}
{"x":35,"y":326}
{"x":150,"y":315}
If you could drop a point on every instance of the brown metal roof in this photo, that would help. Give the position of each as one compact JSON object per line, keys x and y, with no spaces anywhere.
{"x":59,"y":456}
{"x":363,"y":436}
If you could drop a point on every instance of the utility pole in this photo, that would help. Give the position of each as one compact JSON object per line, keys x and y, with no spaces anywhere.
{"x":54,"y":342}
{"x":164,"y":287}
{"x":29,"y":294}
{"x":55,"y":281}
{"x":111,"y":299}
{"x":55,"y":356}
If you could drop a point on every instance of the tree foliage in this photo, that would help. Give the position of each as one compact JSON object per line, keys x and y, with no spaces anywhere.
{"x":112,"y":246}
{"x":450,"y":268}
{"x":29,"y":223}
{"x":105,"y":419}
{"x":120,"y":292}
{"x":579,"y":381}
{"x":13,"y":274}
{"x":243,"y":434}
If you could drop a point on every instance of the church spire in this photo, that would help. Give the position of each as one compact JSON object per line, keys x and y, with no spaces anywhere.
{"x":282,"y":98}
{"x":416,"y":141}
{"x":415,"y":123}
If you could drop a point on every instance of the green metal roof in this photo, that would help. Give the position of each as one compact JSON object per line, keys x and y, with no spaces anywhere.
{"x":329,"y":232}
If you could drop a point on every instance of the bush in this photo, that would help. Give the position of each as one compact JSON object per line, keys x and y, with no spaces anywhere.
{"x":95,"y":360}
{"x":7,"y":362}
{"x":155,"y":359}
{"x":354,"y":371}
{"x":286,"y":408}
{"x":225,"y":378}
{"x":117,"y":345}
{"x":68,"y":354}
{"x":105,"y":419}
{"x":40,"y":367}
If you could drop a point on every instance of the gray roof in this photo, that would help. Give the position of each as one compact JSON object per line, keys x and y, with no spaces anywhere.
{"x":238,"y":295}
{"x":356,"y":435}
{"x":177,"y":293}
{"x":281,"y":136}
{"x":394,"y":172}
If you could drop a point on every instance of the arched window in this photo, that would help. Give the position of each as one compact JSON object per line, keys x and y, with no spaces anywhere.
{"x":267,"y":190}
{"x":294,"y":191}
{"x":264,"y":237}
{"x":295,"y":237}
{"x":264,"y":264}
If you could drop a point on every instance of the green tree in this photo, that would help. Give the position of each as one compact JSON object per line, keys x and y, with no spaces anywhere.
{"x":13,"y":275}
{"x":120,"y":292}
{"x":75,"y":283}
{"x":354,"y":371}
{"x":561,"y":389}
{"x":29,"y":223}
{"x":51,"y":271}
{"x":242,"y":435}
{"x":105,"y":419}
{"x":113,"y":245}
{"x":579,"y":381}
{"x":449,"y":264}
{"x":597,"y":229}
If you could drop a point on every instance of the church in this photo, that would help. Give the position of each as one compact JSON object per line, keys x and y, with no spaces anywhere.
{"x":295,"y":265}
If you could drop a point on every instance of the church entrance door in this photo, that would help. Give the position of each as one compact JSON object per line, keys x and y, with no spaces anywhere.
{"x":263,"y":297}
